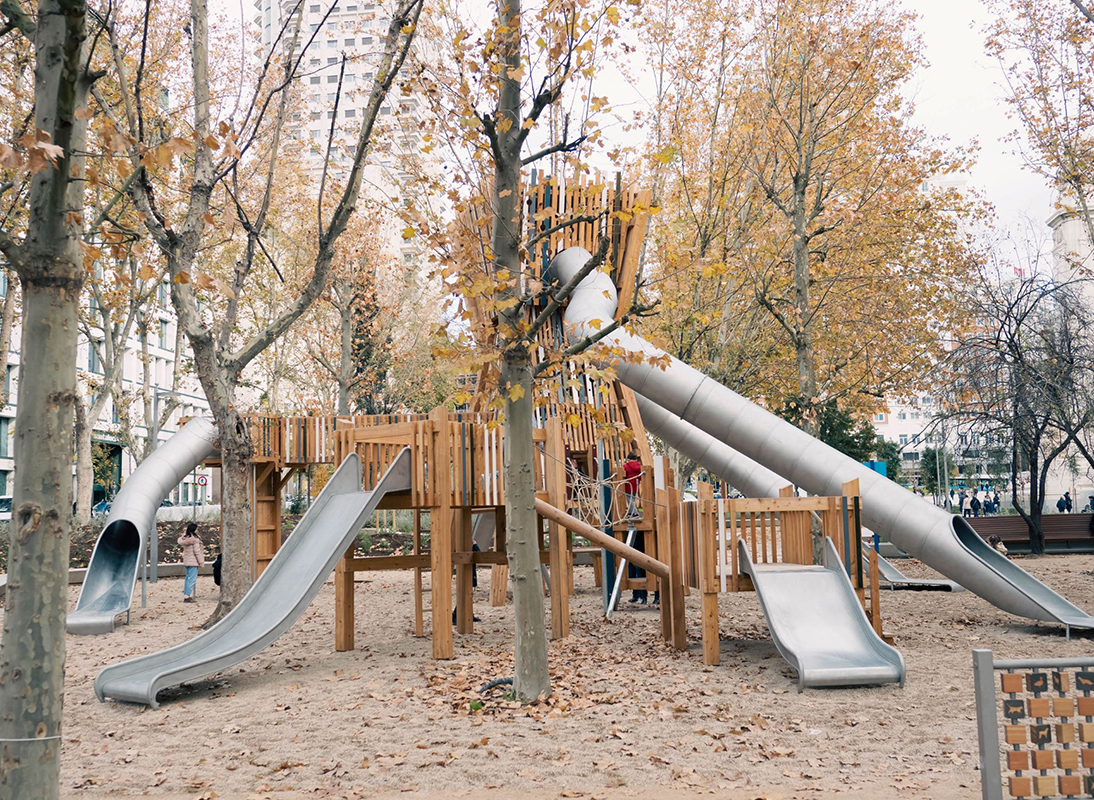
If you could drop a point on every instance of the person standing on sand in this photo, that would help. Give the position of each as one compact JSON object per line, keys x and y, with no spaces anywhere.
{"x":193,"y":556}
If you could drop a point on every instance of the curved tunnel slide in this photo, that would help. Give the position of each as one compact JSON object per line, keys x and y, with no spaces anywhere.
{"x":115,"y":562}
{"x":276,"y":600}
{"x":942,"y":541}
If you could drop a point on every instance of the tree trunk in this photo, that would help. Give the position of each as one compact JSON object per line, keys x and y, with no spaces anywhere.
{"x":803,"y":340}
{"x":50,"y":266}
{"x":235,"y":498}
{"x":345,"y":359}
{"x":531,"y":678}
{"x":85,"y":472}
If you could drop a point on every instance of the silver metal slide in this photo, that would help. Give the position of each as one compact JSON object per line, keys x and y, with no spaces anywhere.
{"x":279,"y":596}
{"x":116,"y":560}
{"x":898,"y":580}
{"x":818,"y":625}
{"x":942,"y":541}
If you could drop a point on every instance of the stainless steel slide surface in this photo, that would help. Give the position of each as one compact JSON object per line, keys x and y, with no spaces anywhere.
{"x":898,"y":580}
{"x":944,"y":542}
{"x":116,"y":559}
{"x":818,"y":624}
{"x":278,"y":597}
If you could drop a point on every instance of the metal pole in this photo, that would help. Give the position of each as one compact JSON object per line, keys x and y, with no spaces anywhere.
{"x":154,"y":532}
{"x":987,"y":725}
{"x":144,"y":578}
{"x":614,"y":601}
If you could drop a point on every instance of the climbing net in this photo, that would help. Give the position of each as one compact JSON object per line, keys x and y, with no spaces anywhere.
{"x":587,"y":496}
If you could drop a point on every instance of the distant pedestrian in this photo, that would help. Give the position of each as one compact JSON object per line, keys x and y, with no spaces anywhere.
{"x":1061,"y":505}
{"x":966,"y":504}
{"x":995,"y":502}
{"x":1067,"y":502}
{"x":974,"y":504}
{"x":193,"y":556}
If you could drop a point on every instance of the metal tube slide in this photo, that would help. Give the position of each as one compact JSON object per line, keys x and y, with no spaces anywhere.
{"x":115,"y":561}
{"x":942,"y":541}
{"x":279,"y":596}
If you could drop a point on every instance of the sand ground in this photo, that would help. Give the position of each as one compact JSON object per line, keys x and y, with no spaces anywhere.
{"x":629,"y":717}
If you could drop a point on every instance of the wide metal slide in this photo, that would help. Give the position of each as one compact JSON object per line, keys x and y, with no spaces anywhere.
{"x":277,"y":599}
{"x":818,"y":625}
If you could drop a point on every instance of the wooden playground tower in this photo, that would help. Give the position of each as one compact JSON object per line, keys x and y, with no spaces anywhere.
{"x":585,"y":432}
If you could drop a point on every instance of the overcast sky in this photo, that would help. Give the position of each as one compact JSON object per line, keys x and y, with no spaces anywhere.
{"x":958,"y":96}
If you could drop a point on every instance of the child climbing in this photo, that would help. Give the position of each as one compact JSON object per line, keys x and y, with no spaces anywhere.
{"x":193,"y":556}
{"x":632,"y":469}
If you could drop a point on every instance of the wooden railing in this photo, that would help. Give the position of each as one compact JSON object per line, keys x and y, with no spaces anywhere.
{"x":775,"y":530}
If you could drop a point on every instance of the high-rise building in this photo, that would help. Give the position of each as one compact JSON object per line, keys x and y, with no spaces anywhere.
{"x":340,"y":43}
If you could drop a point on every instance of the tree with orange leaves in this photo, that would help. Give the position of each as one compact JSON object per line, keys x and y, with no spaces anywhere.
{"x":800,"y":198}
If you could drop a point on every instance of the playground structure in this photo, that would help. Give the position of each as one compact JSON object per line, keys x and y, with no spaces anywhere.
{"x":824,"y":617}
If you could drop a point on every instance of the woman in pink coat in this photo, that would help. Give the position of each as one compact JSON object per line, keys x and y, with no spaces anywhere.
{"x":193,"y":556}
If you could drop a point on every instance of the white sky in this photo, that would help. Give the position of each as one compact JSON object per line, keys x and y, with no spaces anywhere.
{"x":959,"y":97}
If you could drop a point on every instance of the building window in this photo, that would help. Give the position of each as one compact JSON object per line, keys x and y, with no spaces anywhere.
{"x":332,"y":43}
{"x":879,"y":417}
{"x":4,"y":482}
{"x":314,"y":28}
{"x":93,"y":363}
{"x":313,"y":9}
{"x":9,"y":381}
{"x":351,"y":113}
{"x":313,"y":80}
{"x":349,"y":42}
{"x":903,"y":439}
{"x":330,"y":115}
{"x":3,"y":283}
{"x":332,"y":60}
{"x":163,"y":334}
{"x":902,"y":415}
{"x":385,"y":111}
{"x":366,"y":40}
{"x":331,"y":79}
{"x":5,"y":431}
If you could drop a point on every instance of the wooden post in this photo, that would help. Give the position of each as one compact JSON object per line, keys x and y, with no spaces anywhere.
{"x":419,"y":622}
{"x":440,"y":538}
{"x":465,"y":602}
{"x":875,"y":594}
{"x":663,"y":532}
{"x":556,"y":496}
{"x":671,"y":498}
{"x":499,"y":574}
{"x":852,"y":559}
{"x":708,"y":580}
{"x":344,"y":615}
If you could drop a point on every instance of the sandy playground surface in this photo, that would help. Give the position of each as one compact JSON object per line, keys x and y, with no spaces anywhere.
{"x":629,"y":717}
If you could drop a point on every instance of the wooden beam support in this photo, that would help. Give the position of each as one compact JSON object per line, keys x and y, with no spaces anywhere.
{"x":465,"y":570}
{"x":556,"y":493}
{"x":344,"y":612}
{"x":601,"y":539}
{"x":419,"y":622}
{"x":440,"y":538}
{"x":706,"y":535}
